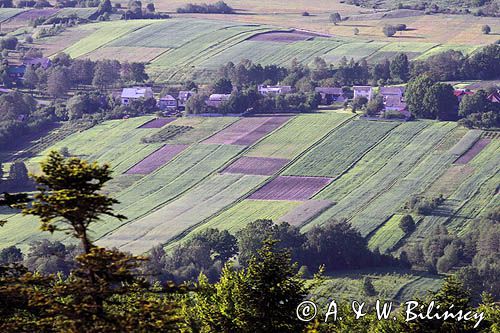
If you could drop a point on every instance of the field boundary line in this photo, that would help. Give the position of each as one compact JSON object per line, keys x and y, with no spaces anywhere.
{"x":403,"y":176}
{"x":188,"y":230}
{"x":346,"y":170}
{"x":263,"y":183}
{"x":112,"y":40}
{"x":164,"y":203}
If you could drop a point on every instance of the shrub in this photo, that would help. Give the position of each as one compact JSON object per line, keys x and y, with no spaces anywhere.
{"x":407,"y":224}
{"x":486,"y":29}
{"x":389,"y":30}
{"x":393,"y":114}
{"x":305,"y":14}
{"x":219,"y":7}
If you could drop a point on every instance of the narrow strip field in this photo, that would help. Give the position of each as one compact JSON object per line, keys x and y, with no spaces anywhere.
{"x":384,"y":190}
{"x":290,"y":188}
{"x":105,"y":33}
{"x":307,"y":211}
{"x":265,"y":166}
{"x":156,"y":159}
{"x":117,"y":142}
{"x":261,"y":131}
{"x":473,"y":151}
{"x":387,"y":236}
{"x":176,"y":217}
{"x":246,"y":131}
{"x":157,"y":123}
{"x":247,"y":211}
{"x":297,"y":135}
{"x":341,"y":149}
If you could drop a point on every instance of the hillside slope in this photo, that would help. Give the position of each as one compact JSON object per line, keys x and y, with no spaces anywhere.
{"x":306,"y":170}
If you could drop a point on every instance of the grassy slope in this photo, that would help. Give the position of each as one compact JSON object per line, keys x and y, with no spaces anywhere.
{"x":188,"y":46}
{"x":318,"y":162}
{"x":173,"y":219}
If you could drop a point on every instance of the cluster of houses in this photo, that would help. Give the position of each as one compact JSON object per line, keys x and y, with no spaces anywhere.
{"x":393,"y":96}
{"x":16,"y":71}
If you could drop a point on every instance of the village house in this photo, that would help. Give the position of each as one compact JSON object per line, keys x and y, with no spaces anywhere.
{"x":216,"y":100}
{"x":330,"y":95}
{"x":168,"y":103}
{"x":460,"y":93}
{"x":393,"y":98}
{"x":135,"y":93}
{"x":42,"y":62}
{"x":363,"y":91}
{"x":274,"y":90}
{"x":494,"y":97}
{"x":182,"y":98}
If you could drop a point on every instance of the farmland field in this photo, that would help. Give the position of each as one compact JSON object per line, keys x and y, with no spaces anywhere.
{"x":247,"y":131}
{"x":265,"y":166}
{"x":318,"y":161}
{"x":180,"y":48}
{"x":126,"y":53}
{"x":246,"y":211}
{"x":290,"y":188}
{"x":176,"y":217}
{"x":156,"y":159}
{"x":105,"y":33}
{"x":387,"y":236}
{"x":7,"y":13}
{"x":297,"y":135}
{"x":398,"y":287}
{"x":157,"y":123}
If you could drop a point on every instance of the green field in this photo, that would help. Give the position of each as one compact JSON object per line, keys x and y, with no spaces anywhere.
{"x":7,"y":13}
{"x":297,"y":135}
{"x":389,"y":286}
{"x":387,"y":236}
{"x":105,"y":33}
{"x":377,"y":166}
{"x":177,"y":217}
{"x":318,"y":162}
{"x":246,"y":211}
{"x":179,"y":48}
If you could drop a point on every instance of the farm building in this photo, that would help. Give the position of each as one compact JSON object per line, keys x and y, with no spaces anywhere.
{"x":392,"y":91}
{"x":42,"y":62}
{"x":363,"y":91}
{"x":135,"y":93}
{"x":494,"y":97}
{"x":394,"y":103}
{"x":274,"y":90}
{"x":393,"y":98}
{"x":216,"y":100}
{"x":167,"y":102}
{"x":460,"y":93}
{"x":330,"y":95}
{"x":183,"y":97}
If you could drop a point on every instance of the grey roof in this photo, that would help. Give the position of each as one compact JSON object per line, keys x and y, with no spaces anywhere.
{"x":219,"y":97}
{"x":392,"y":91}
{"x":329,"y":90}
{"x":136,"y":92}
{"x":362,"y":88}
